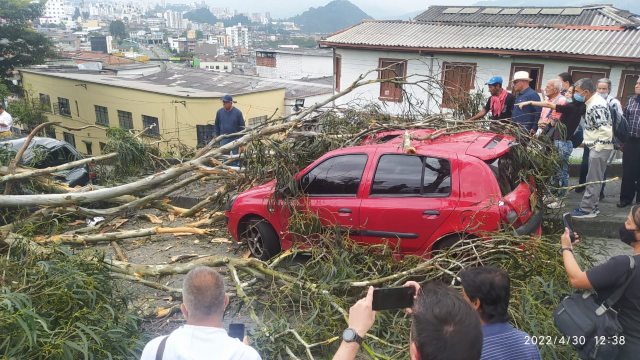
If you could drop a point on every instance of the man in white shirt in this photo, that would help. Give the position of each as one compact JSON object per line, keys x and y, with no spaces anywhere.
{"x":203,"y":336}
{"x":6,"y":122}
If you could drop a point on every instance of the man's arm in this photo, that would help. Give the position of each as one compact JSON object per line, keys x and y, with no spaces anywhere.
{"x":216,"y":124}
{"x":482,"y":112}
{"x":361,"y":318}
{"x":240,"y":121}
{"x":6,"y":119}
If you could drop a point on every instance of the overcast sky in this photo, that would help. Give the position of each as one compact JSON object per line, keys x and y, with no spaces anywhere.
{"x":287,"y":8}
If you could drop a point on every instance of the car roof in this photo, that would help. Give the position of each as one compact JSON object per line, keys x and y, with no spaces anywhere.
{"x":483,"y":145}
{"x":37,"y":142}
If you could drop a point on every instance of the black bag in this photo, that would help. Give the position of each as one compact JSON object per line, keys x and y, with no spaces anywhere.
{"x":587,"y":323}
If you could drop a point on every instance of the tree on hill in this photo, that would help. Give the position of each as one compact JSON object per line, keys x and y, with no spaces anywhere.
{"x":20,"y":44}
{"x":330,"y":18}
{"x":238,"y":19}
{"x":76,"y":14}
{"x":202,"y":15}
{"x":117,"y":29}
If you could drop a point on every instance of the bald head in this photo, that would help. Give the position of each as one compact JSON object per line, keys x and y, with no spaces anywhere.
{"x":203,"y":294}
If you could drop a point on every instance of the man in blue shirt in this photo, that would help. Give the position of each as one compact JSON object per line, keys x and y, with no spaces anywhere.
{"x":527,"y":116}
{"x":488,"y":289}
{"x":229,"y":120}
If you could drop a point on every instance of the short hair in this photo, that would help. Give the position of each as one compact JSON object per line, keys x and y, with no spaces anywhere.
{"x":586,"y":84}
{"x":635,"y":214}
{"x":565,"y":76}
{"x":492,"y":287}
{"x":1,"y":106}
{"x":557,"y":84}
{"x":606,"y":81}
{"x":203,"y":292}
{"x":444,"y":326}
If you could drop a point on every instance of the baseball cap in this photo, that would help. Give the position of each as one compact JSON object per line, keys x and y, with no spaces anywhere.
{"x":494,"y":80}
{"x":227,"y":98}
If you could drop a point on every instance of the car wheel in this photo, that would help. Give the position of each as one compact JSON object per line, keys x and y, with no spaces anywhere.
{"x":447,"y":243}
{"x":262,"y":240}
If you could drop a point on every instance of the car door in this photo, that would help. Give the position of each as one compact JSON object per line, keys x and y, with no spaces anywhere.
{"x":331,"y":190}
{"x":409,"y":198}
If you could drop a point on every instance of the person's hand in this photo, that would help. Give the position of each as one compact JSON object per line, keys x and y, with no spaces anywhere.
{"x":565,"y":239}
{"x":361,"y":314}
{"x":245,"y":340}
{"x":416,"y":286}
{"x":523,"y":104}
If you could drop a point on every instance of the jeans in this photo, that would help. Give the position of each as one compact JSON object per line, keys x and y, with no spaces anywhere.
{"x":584,"y":169}
{"x":597,"y":166}
{"x":561,"y":180}
{"x":225,"y":141}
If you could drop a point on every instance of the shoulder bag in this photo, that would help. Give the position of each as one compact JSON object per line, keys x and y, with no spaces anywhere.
{"x":587,"y":323}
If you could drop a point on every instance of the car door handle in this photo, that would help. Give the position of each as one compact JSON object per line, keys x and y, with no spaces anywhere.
{"x":344,"y":211}
{"x":431,"y":212}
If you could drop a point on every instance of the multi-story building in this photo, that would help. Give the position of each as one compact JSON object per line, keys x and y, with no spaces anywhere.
{"x":173,"y":19}
{"x":238,"y":36}
{"x":55,"y":12}
{"x":294,"y":63}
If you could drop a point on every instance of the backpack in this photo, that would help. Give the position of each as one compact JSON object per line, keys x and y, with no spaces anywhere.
{"x":619,"y":125}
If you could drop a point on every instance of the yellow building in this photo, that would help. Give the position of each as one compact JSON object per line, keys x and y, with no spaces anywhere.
{"x":179,"y":104}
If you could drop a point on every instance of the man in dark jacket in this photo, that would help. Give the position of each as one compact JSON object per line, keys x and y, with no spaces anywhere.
{"x":528,"y":116}
{"x":229,"y":120}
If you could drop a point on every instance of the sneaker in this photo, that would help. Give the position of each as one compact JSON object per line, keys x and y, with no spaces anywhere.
{"x":581,"y":214}
{"x":555,"y":205}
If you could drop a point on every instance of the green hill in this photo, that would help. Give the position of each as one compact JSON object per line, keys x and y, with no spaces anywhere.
{"x":336,"y":15}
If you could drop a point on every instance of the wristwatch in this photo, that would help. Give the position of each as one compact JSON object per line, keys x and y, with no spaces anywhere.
{"x":349,"y":335}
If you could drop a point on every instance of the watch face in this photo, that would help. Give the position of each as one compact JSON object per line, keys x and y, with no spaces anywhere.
{"x":349,"y":335}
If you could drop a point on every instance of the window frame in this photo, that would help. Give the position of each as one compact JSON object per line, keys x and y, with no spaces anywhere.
{"x":257,"y":121}
{"x":99,"y":110}
{"x":528,"y":65}
{"x":397,"y":98}
{"x":45,"y":107}
{"x":445,"y":98}
{"x":623,"y":77}
{"x":154,"y":131}
{"x":421,"y":195}
{"x":204,"y":129}
{"x":605,"y":71}
{"x":60,"y":107}
{"x":121,"y":117}
{"x":299,"y":181}
{"x":71,"y":136}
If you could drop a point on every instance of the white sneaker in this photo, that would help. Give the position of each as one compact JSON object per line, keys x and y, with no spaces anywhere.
{"x":555,"y":205}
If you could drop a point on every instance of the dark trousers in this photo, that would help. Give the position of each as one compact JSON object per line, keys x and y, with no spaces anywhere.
{"x":584,"y":170}
{"x":630,"y":187}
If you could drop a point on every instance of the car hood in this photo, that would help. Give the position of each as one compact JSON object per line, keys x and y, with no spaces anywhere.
{"x":261,"y":190}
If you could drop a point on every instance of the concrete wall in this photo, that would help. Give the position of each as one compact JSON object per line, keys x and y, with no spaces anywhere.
{"x":177,"y":122}
{"x":297,"y":66}
{"x":421,"y":68}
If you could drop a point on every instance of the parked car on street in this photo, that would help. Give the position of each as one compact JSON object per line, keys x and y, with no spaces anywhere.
{"x":454,"y":186}
{"x":46,"y":152}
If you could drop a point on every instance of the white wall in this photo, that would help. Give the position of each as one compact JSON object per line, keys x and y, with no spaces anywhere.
{"x":308,"y":101}
{"x":422,"y":67}
{"x":211,"y":65}
{"x":297,"y":66}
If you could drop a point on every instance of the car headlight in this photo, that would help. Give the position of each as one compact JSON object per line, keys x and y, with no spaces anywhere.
{"x":230,"y":203}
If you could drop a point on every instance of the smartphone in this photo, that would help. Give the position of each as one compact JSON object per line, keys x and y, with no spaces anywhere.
{"x":393,"y":298}
{"x":236,"y":331}
{"x":568,"y":223}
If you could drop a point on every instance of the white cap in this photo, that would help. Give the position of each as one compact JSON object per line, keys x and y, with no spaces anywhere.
{"x":521,"y":75}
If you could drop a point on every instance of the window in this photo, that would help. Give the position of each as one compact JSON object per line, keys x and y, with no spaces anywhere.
{"x":204,"y":134}
{"x":102,"y":115}
{"x":151,"y":123}
{"x":594,"y":74}
{"x":257,"y":121}
{"x":102,"y":146}
{"x":457,"y":81}
{"x":45,"y":101}
{"x":70,"y":138}
{"x":63,"y":107}
{"x":51,"y":132}
{"x":628,"y":80}
{"x":410,"y":175}
{"x":337,"y":71}
{"x":125,"y":120}
{"x":391,"y":69}
{"x":89,"y":146}
{"x":338,"y":175}
{"x":535,"y":73}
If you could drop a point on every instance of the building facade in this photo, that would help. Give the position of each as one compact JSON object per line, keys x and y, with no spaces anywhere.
{"x":294,"y":64}
{"x":238,"y":36}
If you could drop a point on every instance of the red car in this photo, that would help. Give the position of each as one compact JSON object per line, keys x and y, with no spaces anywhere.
{"x":454,"y":186}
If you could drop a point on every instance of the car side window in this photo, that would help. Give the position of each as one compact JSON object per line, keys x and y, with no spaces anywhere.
{"x":339,"y":175}
{"x":411,"y":175}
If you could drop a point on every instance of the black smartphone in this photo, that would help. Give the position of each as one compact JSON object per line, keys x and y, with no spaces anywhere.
{"x":568,"y":223}
{"x":236,"y":331}
{"x":393,"y":298}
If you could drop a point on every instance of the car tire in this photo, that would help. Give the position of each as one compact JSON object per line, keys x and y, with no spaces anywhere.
{"x":447,"y":242}
{"x":261,"y":238}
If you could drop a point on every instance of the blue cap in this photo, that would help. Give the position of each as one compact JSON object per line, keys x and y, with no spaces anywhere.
{"x":494,"y":80}
{"x":227,"y":98}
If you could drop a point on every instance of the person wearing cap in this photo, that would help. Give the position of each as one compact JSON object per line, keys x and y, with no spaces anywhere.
{"x":608,"y":276}
{"x":527,"y":116}
{"x":229,"y":120}
{"x":6,"y":121}
{"x":499,"y":104}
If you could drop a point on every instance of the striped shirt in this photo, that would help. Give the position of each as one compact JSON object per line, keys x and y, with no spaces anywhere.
{"x":502,"y":341}
{"x":632,"y":114}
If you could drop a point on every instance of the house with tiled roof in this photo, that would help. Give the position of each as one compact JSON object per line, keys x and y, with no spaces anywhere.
{"x":462,"y":47}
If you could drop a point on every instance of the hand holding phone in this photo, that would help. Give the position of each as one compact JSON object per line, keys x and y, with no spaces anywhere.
{"x":568,"y":223}
{"x":236,"y":331}
{"x":393,"y":298}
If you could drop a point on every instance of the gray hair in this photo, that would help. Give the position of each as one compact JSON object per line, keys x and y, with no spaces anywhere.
{"x":203,"y":292}
{"x":586,"y":84}
{"x":606,"y":81}
{"x":556,"y":83}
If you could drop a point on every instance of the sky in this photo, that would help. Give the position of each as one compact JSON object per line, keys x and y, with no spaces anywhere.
{"x":287,"y":8}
